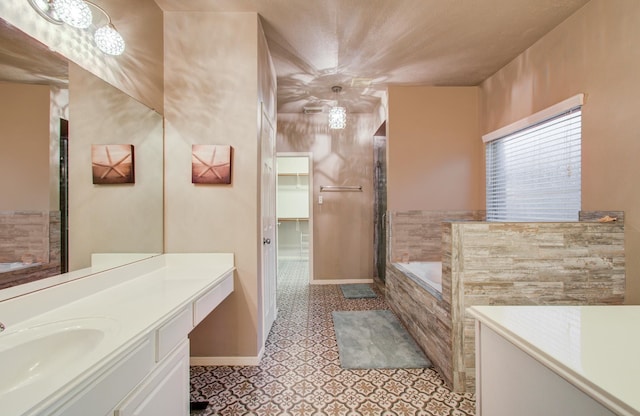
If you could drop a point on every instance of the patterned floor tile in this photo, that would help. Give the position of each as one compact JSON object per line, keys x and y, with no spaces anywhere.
{"x":300,"y":373}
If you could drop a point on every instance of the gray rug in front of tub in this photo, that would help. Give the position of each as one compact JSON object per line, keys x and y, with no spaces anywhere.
{"x":375,"y":339}
{"x":357,"y":291}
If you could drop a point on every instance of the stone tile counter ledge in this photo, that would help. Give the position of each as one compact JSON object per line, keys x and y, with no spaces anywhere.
{"x":111,"y":343}
{"x":557,"y":360}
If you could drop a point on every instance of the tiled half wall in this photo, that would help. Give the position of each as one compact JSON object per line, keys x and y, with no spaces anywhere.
{"x":24,"y":233}
{"x":490,"y":263}
{"x":33,"y":233}
{"x":417,"y":235}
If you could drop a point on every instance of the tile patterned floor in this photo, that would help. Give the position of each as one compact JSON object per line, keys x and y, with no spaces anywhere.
{"x":300,"y":372}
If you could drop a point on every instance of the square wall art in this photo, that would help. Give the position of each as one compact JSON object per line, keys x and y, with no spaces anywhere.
{"x":211,"y":163}
{"x":112,"y":163}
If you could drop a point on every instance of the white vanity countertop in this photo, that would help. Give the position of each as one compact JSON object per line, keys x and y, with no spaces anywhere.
{"x":596,"y":348}
{"x":126,"y":312}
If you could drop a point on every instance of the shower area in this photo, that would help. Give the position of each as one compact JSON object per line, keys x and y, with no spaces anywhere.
{"x":380,"y":202}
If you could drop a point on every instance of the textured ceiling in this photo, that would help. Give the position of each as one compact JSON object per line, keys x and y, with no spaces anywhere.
{"x":319,"y":43}
{"x":362,"y":45}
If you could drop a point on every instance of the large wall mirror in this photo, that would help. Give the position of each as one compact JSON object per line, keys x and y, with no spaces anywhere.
{"x":60,"y":129}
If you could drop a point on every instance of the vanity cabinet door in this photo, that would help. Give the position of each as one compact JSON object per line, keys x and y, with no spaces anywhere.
{"x":165,"y":392}
{"x":108,"y":388}
{"x":512,"y":382}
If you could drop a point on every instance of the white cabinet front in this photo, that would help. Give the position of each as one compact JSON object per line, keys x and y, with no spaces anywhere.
{"x":102,"y":393}
{"x":165,"y":392}
{"x":511,"y":382}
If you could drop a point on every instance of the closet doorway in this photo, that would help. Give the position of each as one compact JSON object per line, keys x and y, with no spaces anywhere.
{"x":294,"y":212}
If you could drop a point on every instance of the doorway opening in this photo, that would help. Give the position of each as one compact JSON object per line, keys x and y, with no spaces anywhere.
{"x":294,"y":212}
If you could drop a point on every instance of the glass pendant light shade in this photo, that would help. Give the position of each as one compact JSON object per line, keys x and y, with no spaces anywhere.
{"x":46,"y":10}
{"x":75,"y":13}
{"x":337,"y":114}
{"x":109,"y":40}
{"x":337,"y":118}
{"x":78,"y":14}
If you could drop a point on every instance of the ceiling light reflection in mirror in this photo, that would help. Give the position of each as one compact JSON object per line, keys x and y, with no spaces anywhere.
{"x":78,"y":14}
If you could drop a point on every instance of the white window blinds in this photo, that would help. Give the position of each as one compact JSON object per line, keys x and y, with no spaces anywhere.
{"x":534,"y":174}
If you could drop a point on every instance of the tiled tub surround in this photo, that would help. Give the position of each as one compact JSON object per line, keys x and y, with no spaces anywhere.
{"x":119,"y":337}
{"x":426,"y":317}
{"x":417,"y":235}
{"x":489,"y":263}
{"x":25,"y":232}
{"x":427,"y":274}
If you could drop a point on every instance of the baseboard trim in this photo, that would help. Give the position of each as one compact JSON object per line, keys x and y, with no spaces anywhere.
{"x":339,"y":281}
{"x":228,"y":361}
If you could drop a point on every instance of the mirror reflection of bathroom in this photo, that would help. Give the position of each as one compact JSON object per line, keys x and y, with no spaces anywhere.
{"x":52,"y":220}
{"x":34,"y":91}
{"x":293,"y":192}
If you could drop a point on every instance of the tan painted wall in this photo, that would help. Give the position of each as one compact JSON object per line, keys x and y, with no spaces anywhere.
{"x":138,"y":72}
{"x":343,"y":224}
{"x":212,"y":96}
{"x":24,"y":158}
{"x":595,"y":52}
{"x":434,"y":151}
{"x":112,"y":218}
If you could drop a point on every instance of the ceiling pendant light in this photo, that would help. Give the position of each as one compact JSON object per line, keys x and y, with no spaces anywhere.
{"x":78,"y":14}
{"x":109,"y":40}
{"x":106,"y":37}
{"x":46,"y":10}
{"x":75,"y":13}
{"x":337,"y":114}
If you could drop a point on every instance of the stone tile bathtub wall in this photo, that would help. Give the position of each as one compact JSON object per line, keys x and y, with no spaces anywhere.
{"x":416,"y":235}
{"x":24,"y":233}
{"x":53,"y":241}
{"x":489,"y":263}
{"x":426,"y":317}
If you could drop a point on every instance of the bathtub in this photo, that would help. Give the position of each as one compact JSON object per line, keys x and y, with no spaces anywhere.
{"x":9,"y":267}
{"x":427,"y":274}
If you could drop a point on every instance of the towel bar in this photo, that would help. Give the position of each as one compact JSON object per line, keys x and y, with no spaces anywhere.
{"x":341,"y":188}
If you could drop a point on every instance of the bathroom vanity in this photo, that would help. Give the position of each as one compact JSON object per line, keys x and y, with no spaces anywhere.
{"x":115,"y":343}
{"x":557,"y":360}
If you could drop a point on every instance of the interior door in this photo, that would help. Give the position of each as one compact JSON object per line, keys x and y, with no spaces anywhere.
{"x":269,"y":276}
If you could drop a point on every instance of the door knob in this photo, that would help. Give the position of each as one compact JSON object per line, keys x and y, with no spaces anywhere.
{"x":266,"y":241}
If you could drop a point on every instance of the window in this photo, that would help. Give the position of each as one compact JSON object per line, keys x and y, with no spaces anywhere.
{"x":534,"y":172}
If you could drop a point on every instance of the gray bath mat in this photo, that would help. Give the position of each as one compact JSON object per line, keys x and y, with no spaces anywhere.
{"x":375,"y":339}
{"x":357,"y":291}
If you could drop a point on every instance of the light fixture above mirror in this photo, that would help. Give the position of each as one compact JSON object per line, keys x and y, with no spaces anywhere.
{"x":75,"y":13}
{"x":78,"y":14}
{"x":46,"y":10}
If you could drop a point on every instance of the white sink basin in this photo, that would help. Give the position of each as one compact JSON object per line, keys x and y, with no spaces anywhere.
{"x":31,"y":354}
